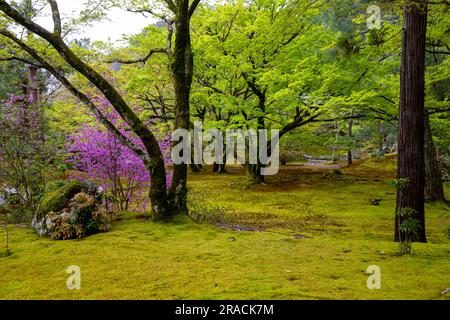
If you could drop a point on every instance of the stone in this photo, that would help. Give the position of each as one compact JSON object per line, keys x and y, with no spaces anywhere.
{"x":375,"y":202}
{"x":56,"y":202}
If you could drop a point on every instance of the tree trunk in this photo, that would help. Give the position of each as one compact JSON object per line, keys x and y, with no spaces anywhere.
{"x":182,"y":70}
{"x":256,"y":169}
{"x":222,"y":168}
{"x":161,"y":208}
{"x":195,"y":168}
{"x":33,"y":84}
{"x":411,"y":153}
{"x":350,"y":135}
{"x":380,"y":139}
{"x":434,"y":188}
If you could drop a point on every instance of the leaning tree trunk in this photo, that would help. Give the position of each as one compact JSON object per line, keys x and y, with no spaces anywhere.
{"x":434,"y":188}
{"x":182,"y":70}
{"x":411,"y":153}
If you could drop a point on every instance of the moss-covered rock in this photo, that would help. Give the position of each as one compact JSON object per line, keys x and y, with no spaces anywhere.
{"x":57,"y":203}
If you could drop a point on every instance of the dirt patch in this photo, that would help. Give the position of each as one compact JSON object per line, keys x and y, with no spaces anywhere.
{"x":238,"y":227}
{"x":301,"y":236}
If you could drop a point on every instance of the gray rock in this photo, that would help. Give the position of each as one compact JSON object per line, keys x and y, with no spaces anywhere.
{"x":39,"y":225}
{"x":375,"y":202}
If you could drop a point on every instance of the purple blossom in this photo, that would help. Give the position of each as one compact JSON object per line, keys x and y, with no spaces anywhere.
{"x":102,"y":157}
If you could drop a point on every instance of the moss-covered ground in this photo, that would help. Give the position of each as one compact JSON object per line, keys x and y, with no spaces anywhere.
{"x":313,"y":234}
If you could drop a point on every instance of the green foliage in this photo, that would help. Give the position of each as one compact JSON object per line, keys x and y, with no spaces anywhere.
{"x":400,"y":184}
{"x":410,"y":226}
{"x":408,"y":229}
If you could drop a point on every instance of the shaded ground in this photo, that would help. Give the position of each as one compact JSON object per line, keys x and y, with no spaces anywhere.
{"x":306,"y":234}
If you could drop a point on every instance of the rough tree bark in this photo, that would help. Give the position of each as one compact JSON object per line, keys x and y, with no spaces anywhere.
{"x":434,"y":188}
{"x":182,"y":71}
{"x":411,"y":153}
{"x":254,"y":170}
{"x":181,"y":68}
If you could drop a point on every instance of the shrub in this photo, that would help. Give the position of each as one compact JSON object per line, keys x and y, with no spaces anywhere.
{"x":409,"y":227}
{"x":27,"y":149}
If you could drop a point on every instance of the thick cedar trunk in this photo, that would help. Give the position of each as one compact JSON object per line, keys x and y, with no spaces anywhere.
{"x":350,"y":135}
{"x":434,"y":188}
{"x":222,"y":167}
{"x":411,"y":153}
{"x":182,"y":70}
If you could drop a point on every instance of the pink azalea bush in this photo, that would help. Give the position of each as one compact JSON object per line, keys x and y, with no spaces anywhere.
{"x":103,"y":158}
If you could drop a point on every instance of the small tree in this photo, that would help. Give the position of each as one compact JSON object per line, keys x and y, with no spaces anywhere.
{"x":25,"y":154}
{"x":407,"y":230}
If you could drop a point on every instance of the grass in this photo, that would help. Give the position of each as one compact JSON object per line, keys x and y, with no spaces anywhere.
{"x":342,"y":234}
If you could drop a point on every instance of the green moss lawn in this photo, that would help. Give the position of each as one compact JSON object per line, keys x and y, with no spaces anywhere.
{"x":312,"y":234}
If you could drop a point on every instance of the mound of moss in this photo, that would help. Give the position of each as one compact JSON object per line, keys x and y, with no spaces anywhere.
{"x":56,"y":201}
{"x":71,"y":211}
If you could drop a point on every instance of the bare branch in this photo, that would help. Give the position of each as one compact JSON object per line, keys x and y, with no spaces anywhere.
{"x":167,"y":50}
{"x":21,"y":60}
{"x":140,"y":60}
{"x":148,"y":11}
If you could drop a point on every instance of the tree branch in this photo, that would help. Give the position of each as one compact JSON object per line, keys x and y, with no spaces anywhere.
{"x":431,"y":111}
{"x":22,"y":60}
{"x":140,"y":60}
{"x":172,"y":7}
{"x":83,"y":98}
{"x":56,"y":17}
{"x":111,"y":94}
{"x":438,"y":52}
{"x":193,"y":7}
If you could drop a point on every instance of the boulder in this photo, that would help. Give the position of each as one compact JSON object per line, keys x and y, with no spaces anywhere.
{"x":58,"y":206}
